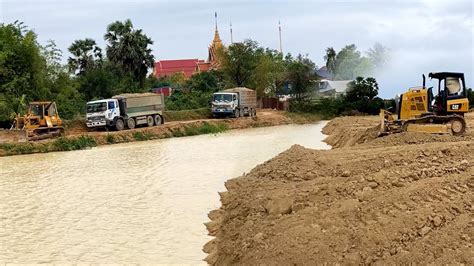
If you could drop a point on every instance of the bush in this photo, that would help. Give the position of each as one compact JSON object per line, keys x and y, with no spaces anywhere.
{"x":110,"y":139}
{"x":142,"y":135}
{"x":186,"y":101}
{"x":82,"y":142}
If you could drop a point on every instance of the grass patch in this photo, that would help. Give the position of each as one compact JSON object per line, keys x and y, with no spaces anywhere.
{"x":17,"y":148}
{"x":142,"y":135}
{"x":193,"y":114}
{"x":110,"y":139}
{"x":82,"y":142}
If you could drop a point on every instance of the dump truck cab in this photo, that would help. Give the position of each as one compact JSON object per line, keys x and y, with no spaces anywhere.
{"x":234,"y":102}
{"x":224,"y":103}
{"x":102,"y":113}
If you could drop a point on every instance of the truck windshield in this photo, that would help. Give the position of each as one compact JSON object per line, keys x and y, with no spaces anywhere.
{"x":222,"y":97}
{"x":96,"y":107}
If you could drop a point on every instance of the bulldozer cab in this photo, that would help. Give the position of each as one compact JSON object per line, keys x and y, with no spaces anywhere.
{"x":44,"y":114}
{"x":39,"y":115}
{"x":452,"y":94}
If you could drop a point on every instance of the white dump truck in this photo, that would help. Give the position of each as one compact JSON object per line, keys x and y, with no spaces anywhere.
{"x":234,"y":102}
{"x":126,"y":110}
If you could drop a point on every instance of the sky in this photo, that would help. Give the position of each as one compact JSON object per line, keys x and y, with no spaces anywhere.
{"x":423,"y":36}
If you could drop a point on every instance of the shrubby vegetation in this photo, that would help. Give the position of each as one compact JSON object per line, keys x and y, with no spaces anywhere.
{"x":361,"y":98}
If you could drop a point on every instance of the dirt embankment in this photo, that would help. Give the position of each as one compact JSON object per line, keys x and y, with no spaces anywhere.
{"x":403,"y":198}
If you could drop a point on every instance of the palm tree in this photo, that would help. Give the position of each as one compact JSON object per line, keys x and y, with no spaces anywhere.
{"x":86,"y":55}
{"x":330,"y":58}
{"x":128,"y":49}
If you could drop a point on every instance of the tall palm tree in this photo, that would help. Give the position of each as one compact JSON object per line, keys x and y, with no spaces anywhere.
{"x":86,"y":55}
{"x":330,"y":58}
{"x":129,"y":49}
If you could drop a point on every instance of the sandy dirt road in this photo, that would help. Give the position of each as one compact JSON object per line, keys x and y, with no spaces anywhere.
{"x":403,"y":198}
{"x":263,"y":115}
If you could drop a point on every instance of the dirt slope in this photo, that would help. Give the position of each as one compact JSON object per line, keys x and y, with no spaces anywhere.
{"x":398,"y":199}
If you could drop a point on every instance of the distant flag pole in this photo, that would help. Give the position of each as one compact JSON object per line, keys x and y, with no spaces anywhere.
{"x":231,"y":37}
{"x":279,"y":31}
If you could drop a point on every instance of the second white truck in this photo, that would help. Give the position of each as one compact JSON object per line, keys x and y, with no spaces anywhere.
{"x":234,"y":102}
{"x":126,"y":111}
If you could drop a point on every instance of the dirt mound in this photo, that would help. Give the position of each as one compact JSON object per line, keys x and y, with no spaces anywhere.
{"x":349,"y":131}
{"x":415,"y":138}
{"x":383,"y":200}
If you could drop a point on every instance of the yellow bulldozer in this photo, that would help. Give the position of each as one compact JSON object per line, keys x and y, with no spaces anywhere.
{"x":41,"y":121}
{"x":419,"y":111}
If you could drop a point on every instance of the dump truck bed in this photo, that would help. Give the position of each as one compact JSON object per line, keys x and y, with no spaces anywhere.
{"x":248,"y":97}
{"x":139,"y":104}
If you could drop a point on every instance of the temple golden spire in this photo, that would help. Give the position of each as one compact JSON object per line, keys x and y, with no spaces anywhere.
{"x":217,"y":39}
{"x":214,"y":48}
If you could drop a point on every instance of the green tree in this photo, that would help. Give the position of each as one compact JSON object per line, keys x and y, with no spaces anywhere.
{"x":23,"y":69}
{"x":300,"y":76}
{"x":347,"y":61}
{"x":100,"y":82}
{"x":470,"y":97}
{"x":378,"y":55}
{"x":86,"y":55}
{"x":269,"y":74}
{"x":330,"y":59}
{"x":362,"y":95}
{"x":129,"y":49}
{"x":210,"y":81}
{"x":239,"y":62}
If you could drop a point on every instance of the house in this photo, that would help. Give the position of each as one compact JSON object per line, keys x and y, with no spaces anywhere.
{"x":324,"y":73}
{"x":332,"y":88}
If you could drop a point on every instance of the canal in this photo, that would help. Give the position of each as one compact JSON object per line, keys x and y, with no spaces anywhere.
{"x":142,"y":202}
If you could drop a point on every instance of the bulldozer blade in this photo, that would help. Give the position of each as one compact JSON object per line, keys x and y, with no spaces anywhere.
{"x":9,"y":136}
{"x":388,"y":124}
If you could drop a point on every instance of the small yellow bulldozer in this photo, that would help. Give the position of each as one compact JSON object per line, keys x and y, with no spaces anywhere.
{"x":419,"y":111}
{"x":41,"y":121}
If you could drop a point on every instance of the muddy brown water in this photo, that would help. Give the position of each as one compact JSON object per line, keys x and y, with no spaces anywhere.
{"x":142,"y":202}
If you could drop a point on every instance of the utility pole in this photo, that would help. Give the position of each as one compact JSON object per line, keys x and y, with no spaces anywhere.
{"x":279,"y":30}
{"x":231,"y":37}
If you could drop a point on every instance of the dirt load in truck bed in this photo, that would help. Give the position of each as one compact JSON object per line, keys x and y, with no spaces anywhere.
{"x":402,"y":198}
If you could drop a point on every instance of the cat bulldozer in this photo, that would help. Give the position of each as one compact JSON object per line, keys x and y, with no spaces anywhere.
{"x":419,"y":111}
{"x":41,"y":121}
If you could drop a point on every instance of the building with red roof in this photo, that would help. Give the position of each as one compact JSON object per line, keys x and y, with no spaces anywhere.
{"x":190,"y":67}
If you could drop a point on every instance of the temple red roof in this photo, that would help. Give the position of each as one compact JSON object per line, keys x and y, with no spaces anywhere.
{"x":169,"y":67}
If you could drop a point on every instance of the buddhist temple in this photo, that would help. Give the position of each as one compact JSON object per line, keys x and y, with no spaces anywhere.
{"x":190,"y":67}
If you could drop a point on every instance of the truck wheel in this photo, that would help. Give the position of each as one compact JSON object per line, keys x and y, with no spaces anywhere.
{"x":131,"y":123}
{"x":119,"y":125}
{"x":254,"y":112}
{"x":158,"y":120}
{"x":236,"y":113}
{"x":150,"y":121}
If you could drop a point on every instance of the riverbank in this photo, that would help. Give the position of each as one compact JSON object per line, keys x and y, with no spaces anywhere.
{"x":78,"y":137}
{"x":404,"y":198}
